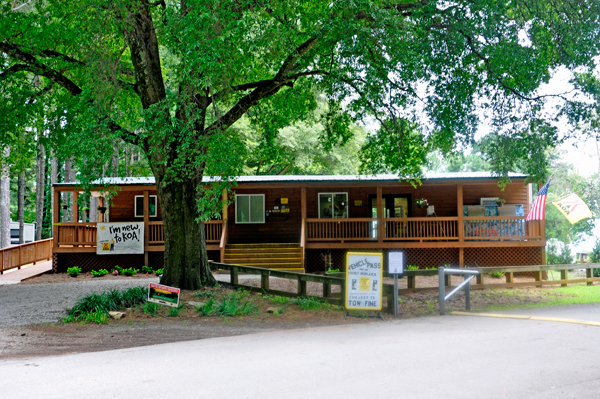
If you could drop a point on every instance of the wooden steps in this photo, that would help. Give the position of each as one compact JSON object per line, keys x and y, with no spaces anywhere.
{"x":287,"y":257}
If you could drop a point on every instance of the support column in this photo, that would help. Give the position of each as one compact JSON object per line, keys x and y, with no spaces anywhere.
{"x":225,"y":217}
{"x":146,"y":227}
{"x":56,"y":217}
{"x":380,"y":214}
{"x":303,"y":227}
{"x":461,"y":224}
{"x":75,"y":218}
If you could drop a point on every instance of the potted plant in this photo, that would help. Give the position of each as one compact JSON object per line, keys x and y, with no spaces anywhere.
{"x":102,"y":209}
{"x":64,"y":205}
{"x":421,"y":202}
{"x":86,"y":210}
{"x":500,"y":202}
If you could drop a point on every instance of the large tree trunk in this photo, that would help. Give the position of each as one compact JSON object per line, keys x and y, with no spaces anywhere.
{"x":40,"y":186}
{"x":21,"y":206}
{"x":5,"y":202}
{"x":186,"y":260}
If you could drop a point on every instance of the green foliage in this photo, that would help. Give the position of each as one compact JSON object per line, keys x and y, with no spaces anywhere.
{"x":174,"y":310}
{"x":412,"y":267}
{"x":74,"y":271}
{"x":330,"y":271}
{"x":150,"y":308}
{"x":312,"y":303}
{"x":558,"y":253}
{"x":497,"y":274}
{"x":95,"y":307}
{"x":129,"y":271}
{"x":147,"y":269}
{"x":158,"y":272}
{"x":99,"y":273}
{"x":281,"y":300}
{"x":231,"y":305}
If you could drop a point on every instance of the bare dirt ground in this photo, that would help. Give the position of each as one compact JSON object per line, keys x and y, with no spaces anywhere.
{"x":53,"y":337}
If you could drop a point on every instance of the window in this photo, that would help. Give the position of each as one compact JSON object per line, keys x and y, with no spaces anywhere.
{"x":250,"y":208}
{"x":139,"y":206}
{"x":333,"y":205}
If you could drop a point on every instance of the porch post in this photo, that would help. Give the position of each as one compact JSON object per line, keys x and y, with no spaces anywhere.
{"x":542,"y":224}
{"x":380,"y":215}
{"x":461,"y":224}
{"x":76,"y":217}
{"x":56,"y":216}
{"x":146,"y":226}
{"x":225,"y":218}
{"x":303,"y":227}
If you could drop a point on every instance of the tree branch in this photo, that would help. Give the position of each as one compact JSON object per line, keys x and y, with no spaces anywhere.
{"x":34,"y":66}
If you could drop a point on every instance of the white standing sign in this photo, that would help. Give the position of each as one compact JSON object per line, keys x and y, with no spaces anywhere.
{"x":363,"y":280}
{"x":396,"y":263}
{"x":120,"y":238}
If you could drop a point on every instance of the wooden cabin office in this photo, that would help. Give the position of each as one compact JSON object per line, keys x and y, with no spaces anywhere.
{"x":308,"y":223}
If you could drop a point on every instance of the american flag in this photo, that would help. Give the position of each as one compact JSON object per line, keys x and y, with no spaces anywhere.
{"x":537,"y":211}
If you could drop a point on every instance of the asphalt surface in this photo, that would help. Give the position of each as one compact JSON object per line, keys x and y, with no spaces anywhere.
{"x":23,"y":304}
{"x":433,"y":357}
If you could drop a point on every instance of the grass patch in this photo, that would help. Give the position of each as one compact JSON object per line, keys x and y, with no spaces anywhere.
{"x":312,"y":303}
{"x":95,"y":307}
{"x":280,"y":300}
{"x":230,"y":305}
{"x":555,"y":297}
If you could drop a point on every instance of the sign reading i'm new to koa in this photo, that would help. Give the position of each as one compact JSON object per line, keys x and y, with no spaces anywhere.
{"x":120,"y":238}
{"x":363,"y":280}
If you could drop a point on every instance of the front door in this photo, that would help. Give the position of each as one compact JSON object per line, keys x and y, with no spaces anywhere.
{"x":394,"y":206}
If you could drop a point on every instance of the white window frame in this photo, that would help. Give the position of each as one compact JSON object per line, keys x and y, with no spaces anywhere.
{"x":135,"y":207}
{"x":332,"y":194}
{"x":264,"y":219}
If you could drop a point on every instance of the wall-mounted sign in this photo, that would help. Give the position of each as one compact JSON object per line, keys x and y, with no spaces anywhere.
{"x":163,"y":294}
{"x":284,"y":201}
{"x":363,"y":280}
{"x":357,"y":202}
{"x":396,"y":262}
{"x":120,"y":238}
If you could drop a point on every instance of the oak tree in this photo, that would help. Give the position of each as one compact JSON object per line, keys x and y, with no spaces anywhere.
{"x":173,"y":77}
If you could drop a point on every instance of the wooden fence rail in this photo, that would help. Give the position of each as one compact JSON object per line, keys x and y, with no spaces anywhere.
{"x":509,"y":272}
{"x":24,"y":254}
{"x":301,"y":278}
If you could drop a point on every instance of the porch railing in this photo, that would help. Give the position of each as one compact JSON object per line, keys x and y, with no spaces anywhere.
{"x":356,"y":229}
{"x":84,"y":234}
{"x":500,"y":228}
{"x":24,"y":254}
{"x":423,"y":229}
{"x":77,"y":234}
{"x":439,"y":228}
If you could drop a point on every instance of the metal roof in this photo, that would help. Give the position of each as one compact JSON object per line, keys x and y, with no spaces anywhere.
{"x":148,"y":181}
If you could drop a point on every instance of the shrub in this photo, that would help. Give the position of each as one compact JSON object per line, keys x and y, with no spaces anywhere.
{"x":147,"y":269}
{"x":231,"y":305}
{"x":99,"y":273}
{"x":74,"y":271}
{"x":129,"y":272}
{"x":158,"y":272}
{"x":497,"y":274}
{"x":412,"y":267}
{"x":95,"y":307}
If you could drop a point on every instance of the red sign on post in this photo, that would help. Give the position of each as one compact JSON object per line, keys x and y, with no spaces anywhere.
{"x":164,"y":295}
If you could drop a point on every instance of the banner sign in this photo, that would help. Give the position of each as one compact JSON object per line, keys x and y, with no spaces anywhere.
{"x":363,"y":280}
{"x":573,"y":208}
{"x":164,"y":295}
{"x":120,"y":238}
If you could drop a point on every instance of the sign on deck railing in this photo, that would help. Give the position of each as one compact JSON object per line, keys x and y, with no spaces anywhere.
{"x":120,"y":238}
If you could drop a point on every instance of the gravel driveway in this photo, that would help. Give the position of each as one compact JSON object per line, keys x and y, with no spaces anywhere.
{"x":25,"y":304}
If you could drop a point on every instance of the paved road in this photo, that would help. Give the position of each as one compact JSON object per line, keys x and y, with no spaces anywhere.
{"x":435,"y":357}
